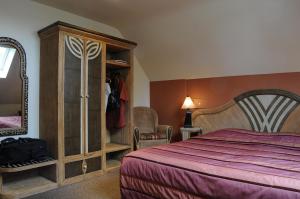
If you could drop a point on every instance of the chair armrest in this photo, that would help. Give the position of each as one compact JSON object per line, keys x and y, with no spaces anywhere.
{"x":167,"y":129}
{"x":136,"y":134}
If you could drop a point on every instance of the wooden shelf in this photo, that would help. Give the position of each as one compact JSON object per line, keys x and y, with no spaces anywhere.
{"x":112,"y":164}
{"x":111,"y":48}
{"x":27,"y":167}
{"x":112,"y":147}
{"x":27,"y":187}
{"x":112,"y":64}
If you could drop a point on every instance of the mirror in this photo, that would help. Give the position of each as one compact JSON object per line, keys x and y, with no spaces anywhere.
{"x":13,"y":88}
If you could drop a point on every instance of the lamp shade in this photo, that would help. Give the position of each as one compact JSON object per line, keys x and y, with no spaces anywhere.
{"x":188,"y":103}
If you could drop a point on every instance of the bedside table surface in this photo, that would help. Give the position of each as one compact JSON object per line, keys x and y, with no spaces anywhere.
{"x":186,"y":132}
{"x":193,"y":129}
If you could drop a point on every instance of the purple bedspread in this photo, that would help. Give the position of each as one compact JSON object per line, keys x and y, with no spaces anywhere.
{"x":228,"y":163}
{"x":10,"y":122}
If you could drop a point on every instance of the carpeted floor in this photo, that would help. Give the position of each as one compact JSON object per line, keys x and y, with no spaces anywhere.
{"x":104,"y":187}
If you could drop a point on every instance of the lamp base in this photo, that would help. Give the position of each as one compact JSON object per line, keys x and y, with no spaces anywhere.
{"x":188,"y":119}
{"x":187,"y":126}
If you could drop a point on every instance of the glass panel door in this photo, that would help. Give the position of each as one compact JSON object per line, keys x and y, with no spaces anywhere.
{"x":94,"y":65}
{"x":73,"y":169}
{"x":93,"y":164}
{"x":73,"y":95}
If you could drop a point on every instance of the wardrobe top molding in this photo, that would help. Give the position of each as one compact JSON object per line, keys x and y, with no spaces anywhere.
{"x":66,"y":27}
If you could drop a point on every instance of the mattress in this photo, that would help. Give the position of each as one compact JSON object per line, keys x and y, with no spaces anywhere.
{"x":228,"y":163}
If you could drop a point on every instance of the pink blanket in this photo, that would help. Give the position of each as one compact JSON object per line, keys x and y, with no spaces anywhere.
{"x":223,"y":164}
{"x":10,"y":122}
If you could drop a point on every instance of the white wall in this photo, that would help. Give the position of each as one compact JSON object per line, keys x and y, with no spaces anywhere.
{"x":22,"y":19}
{"x":211,"y":38}
{"x":141,"y":86}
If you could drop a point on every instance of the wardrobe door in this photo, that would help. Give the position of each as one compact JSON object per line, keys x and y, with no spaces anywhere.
{"x":73,"y":95}
{"x":73,"y":169}
{"x":94,"y":64}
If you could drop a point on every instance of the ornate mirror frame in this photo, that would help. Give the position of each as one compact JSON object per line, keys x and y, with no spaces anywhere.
{"x":24,"y":128}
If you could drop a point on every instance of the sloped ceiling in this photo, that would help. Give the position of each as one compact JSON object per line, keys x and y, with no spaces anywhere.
{"x":202,"y":38}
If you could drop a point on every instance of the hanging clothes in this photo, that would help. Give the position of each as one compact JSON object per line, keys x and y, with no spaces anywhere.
{"x":113,"y":106}
{"x":116,"y":106}
{"x":123,"y":101}
{"x":107,"y":93}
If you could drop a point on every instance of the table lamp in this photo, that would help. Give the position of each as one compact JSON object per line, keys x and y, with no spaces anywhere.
{"x":187,"y":105}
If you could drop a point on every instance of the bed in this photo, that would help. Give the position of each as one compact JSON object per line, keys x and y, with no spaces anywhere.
{"x":245,"y":152}
{"x":10,"y":122}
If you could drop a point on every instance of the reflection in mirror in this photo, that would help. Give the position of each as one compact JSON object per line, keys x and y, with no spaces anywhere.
{"x":10,"y":88}
{"x":13,"y":88}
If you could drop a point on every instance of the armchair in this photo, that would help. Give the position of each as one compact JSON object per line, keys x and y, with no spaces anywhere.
{"x":147,"y":132}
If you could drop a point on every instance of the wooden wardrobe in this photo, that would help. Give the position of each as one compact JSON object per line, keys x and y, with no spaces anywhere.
{"x":73,"y":69}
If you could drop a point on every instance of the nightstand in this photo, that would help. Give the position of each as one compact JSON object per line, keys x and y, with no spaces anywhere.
{"x":187,"y":133}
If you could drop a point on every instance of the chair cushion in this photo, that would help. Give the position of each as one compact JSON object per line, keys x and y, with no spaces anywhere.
{"x":153,"y":136}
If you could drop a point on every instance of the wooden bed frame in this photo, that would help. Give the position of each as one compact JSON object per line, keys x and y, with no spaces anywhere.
{"x":268,"y":110}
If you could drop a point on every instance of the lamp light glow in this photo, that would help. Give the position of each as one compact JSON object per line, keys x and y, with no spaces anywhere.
{"x":188,"y":103}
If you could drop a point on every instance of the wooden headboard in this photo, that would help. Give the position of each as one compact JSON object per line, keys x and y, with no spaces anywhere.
{"x":269,"y":110}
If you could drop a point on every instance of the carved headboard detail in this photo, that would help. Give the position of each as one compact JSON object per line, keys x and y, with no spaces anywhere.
{"x":269,"y":110}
